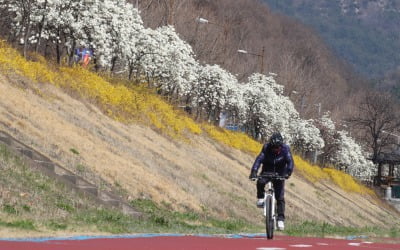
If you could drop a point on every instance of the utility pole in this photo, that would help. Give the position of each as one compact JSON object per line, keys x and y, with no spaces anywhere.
{"x":319,"y":109}
{"x":255,"y":54}
{"x":262,"y":59}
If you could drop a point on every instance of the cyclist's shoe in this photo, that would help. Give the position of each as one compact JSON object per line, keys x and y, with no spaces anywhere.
{"x":260,"y":203}
{"x":281,"y":225}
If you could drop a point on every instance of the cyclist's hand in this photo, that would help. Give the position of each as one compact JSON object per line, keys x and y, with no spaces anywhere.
{"x":288,"y":174}
{"x":253,"y":175}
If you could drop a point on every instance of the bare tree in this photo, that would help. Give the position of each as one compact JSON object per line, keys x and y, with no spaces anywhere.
{"x":378,"y":118}
{"x":160,"y":12}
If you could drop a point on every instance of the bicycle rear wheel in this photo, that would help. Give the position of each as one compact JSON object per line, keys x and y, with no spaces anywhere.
{"x":269,"y":220}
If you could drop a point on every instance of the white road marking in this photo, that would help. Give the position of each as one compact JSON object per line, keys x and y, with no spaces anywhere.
{"x":354,"y":244}
{"x":300,"y":245}
{"x":270,"y":248}
{"x":367,"y":242}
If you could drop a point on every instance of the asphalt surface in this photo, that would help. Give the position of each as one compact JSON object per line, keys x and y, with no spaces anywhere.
{"x":192,"y":242}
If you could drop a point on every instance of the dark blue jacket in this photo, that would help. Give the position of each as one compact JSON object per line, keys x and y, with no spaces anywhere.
{"x":281,"y":163}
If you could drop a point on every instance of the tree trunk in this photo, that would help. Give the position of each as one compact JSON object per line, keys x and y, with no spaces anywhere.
{"x":391,"y":170}
{"x":379,"y":170}
{"x":41,"y":25}
{"x":130,"y":72}
{"x":71,"y":53}
{"x":113,"y":62}
{"x":26,"y":37}
{"x":58,"y":49}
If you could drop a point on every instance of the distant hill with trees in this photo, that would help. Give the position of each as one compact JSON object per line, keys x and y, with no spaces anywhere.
{"x":364,"y":33}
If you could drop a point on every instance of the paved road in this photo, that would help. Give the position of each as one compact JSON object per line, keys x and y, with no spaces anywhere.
{"x":182,"y":242}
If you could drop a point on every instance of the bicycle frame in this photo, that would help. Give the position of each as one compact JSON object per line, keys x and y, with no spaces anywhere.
{"x":269,"y":191}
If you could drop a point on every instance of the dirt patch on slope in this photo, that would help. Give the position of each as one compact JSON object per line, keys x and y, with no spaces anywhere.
{"x":198,"y":175}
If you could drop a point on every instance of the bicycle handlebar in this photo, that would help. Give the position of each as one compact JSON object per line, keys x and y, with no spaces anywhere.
{"x":273,"y":176}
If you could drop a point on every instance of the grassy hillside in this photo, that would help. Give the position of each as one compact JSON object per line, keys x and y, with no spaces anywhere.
{"x":36,"y":204}
{"x":182,"y":174}
{"x":128,"y":103}
{"x":32,"y":204}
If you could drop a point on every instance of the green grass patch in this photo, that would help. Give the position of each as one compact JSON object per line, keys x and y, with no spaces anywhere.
{"x":106,"y":220}
{"x":394,"y":232}
{"x":26,"y":208}
{"x":54,"y":225}
{"x":42,"y":186}
{"x":230,"y":226}
{"x":80,"y":168}
{"x":163,"y":219}
{"x":313,"y":228}
{"x":9,"y":209}
{"x":20,"y":224}
{"x":65,"y":206}
{"x":4,"y":153}
{"x":74,"y":151}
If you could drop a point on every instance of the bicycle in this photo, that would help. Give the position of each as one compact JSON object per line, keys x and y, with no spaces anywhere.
{"x":270,"y":212}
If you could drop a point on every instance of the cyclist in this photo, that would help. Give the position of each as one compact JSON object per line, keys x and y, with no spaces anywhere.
{"x":275,"y":156}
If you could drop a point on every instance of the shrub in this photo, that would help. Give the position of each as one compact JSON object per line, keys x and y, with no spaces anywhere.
{"x":346,"y":181}
{"x":233,"y":139}
{"x":312,"y":173}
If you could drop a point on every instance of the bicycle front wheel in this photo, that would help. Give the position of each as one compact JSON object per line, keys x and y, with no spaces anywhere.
{"x":269,"y":220}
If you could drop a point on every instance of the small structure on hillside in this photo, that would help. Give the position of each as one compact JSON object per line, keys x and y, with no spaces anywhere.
{"x":388,"y":175}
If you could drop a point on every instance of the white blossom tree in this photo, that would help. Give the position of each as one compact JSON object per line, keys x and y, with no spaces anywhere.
{"x":350,"y":157}
{"x":103,"y":25}
{"x":167,"y":60}
{"x":342,"y":151}
{"x":268,"y":110}
{"x":213,"y":91}
{"x":110,"y":28}
{"x":330,"y":136}
{"x":305,"y":136}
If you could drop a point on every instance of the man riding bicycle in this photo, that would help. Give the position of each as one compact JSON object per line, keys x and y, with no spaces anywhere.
{"x":276,"y":157}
